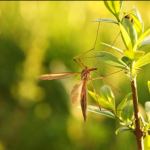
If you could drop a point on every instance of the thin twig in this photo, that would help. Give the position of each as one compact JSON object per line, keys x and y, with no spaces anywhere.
{"x":138,"y":131}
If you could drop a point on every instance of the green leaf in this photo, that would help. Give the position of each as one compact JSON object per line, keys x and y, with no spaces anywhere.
{"x":127,"y":12}
{"x":142,"y":61}
{"x":142,"y":27}
{"x":145,"y":42}
{"x":108,"y":95}
{"x":147,"y":140}
{"x":125,"y":37}
{"x":145,"y":34}
{"x":133,"y":55}
{"x":137,"y":24}
{"x":109,"y":6}
{"x":122,"y":129}
{"x":110,"y":59}
{"x":113,"y":47}
{"x":106,"y":20}
{"x":126,"y":124}
{"x":121,"y":3}
{"x":128,"y":25}
{"x":127,"y":112}
{"x":114,"y":7}
{"x":148,"y":86}
{"x":147,"y":109}
{"x":102,"y":102}
{"x":103,"y":112}
{"x":126,"y":60}
{"x":121,"y":105}
{"x":117,"y":5}
{"x":137,"y":13}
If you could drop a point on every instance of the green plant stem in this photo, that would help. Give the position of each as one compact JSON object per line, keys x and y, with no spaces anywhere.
{"x":137,"y":131}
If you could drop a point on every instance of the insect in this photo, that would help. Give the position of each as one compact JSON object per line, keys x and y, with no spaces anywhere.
{"x":79,"y":91}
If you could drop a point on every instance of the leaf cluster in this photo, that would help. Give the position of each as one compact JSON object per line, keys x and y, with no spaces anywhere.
{"x":134,"y":37}
{"x":135,"y":40}
{"x":123,"y":112}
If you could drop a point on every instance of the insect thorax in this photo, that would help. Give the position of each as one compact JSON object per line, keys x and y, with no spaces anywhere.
{"x":86,"y":74}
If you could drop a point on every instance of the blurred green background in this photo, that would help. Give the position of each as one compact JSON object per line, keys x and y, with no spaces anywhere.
{"x":43,"y":37}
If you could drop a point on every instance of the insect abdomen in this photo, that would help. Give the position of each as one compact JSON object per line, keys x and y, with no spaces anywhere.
{"x":84,"y":103}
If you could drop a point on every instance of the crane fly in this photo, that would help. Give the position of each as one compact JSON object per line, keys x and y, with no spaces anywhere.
{"x":79,"y":91}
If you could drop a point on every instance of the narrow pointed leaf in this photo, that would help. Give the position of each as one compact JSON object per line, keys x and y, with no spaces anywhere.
{"x":126,"y":38}
{"x":117,"y":5}
{"x":106,"y":20}
{"x":119,"y":50}
{"x":122,"y":104}
{"x":147,"y":109}
{"x":128,"y":111}
{"x":137,"y":13}
{"x":142,"y":61}
{"x":121,"y":3}
{"x":145,"y":42}
{"x":142,"y":27}
{"x":110,"y":59}
{"x":137,"y":24}
{"x":103,"y":112}
{"x":147,"y":140}
{"x":114,"y":7}
{"x":122,"y":129}
{"x":102,"y":102}
{"x":128,"y":25}
{"x":109,"y":6}
{"x":145,"y":34}
{"x":126,"y":60}
{"x":128,"y":12}
{"x":133,"y":55}
{"x":126,"y":124}
{"x":108,"y":95}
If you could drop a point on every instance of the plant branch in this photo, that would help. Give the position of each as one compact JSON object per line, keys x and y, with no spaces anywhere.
{"x":138,"y":131}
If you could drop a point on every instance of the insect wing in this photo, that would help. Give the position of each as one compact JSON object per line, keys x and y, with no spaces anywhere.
{"x":62,"y":75}
{"x":76,"y":93}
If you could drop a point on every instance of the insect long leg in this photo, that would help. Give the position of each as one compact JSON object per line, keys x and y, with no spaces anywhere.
{"x":102,"y":77}
{"x":111,"y":110}
{"x":108,"y":74}
{"x":109,"y":84}
{"x":80,"y":59}
{"x":81,"y":64}
{"x":95,"y":95}
{"x":86,"y":51}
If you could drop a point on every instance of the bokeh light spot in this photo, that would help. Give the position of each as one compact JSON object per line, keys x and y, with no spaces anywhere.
{"x":42,"y":110}
{"x":27,"y":13}
{"x":2,"y":146}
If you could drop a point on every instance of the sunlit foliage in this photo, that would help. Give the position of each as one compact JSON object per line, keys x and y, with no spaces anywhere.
{"x":43,"y":37}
